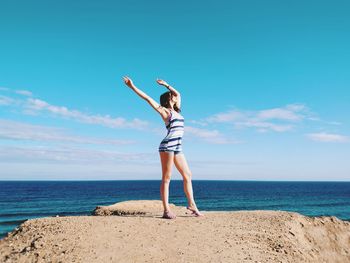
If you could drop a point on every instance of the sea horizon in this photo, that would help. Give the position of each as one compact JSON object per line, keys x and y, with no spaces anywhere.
{"x":97,"y":180}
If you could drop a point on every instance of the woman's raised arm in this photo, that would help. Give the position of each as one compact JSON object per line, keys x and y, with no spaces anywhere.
{"x":147,"y":98}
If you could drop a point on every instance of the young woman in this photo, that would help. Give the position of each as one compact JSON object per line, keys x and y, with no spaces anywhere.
{"x":170,"y":148}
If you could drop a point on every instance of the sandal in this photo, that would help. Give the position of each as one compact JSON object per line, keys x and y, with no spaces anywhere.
{"x":194,"y":212}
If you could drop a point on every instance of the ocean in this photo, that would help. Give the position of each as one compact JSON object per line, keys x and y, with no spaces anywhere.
{"x":22,"y":200}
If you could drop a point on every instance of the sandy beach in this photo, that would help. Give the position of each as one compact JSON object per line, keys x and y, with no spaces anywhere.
{"x":133,"y":231}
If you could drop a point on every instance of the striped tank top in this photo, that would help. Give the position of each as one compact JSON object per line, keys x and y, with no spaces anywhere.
{"x":173,"y":139}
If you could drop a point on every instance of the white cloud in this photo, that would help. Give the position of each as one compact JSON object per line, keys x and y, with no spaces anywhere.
{"x":328,"y":137}
{"x":264,"y":126}
{"x":24,"y":93}
{"x":334,"y":123}
{"x":229,"y":116}
{"x":68,"y":155}
{"x":106,"y":120}
{"x":12,"y":130}
{"x":288,"y":113}
{"x":4,"y":100}
{"x":34,"y":106}
{"x":210,"y":136}
{"x":276,"y":119}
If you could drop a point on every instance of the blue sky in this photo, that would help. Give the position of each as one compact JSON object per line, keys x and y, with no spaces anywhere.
{"x":264,"y":84}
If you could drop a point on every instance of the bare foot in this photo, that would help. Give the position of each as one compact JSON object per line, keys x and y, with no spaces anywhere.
{"x":169,"y":215}
{"x":194,"y":210}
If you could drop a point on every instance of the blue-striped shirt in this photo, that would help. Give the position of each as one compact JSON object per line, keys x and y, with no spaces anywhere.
{"x":173,"y":139}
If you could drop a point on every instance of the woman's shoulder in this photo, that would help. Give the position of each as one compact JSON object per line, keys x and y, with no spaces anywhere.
{"x":171,"y":112}
{"x":168,"y":114}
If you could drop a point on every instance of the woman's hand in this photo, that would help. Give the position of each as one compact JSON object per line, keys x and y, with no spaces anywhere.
{"x":128,"y":81}
{"x":162,"y":82}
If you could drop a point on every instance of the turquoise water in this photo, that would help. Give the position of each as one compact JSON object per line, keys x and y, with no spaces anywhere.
{"x":21,"y":200}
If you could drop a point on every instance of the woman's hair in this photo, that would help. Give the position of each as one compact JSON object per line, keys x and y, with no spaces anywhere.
{"x":165,"y":101}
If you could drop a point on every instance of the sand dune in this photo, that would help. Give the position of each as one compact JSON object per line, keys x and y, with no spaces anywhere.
{"x":141,"y":235}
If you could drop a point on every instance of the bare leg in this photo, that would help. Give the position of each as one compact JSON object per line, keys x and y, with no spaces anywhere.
{"x":167,"y":160}
{"x":182,"y":166}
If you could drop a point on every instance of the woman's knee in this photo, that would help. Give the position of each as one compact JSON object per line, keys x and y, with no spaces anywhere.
{"x":187,"y":176}
{"x":166,"y":178}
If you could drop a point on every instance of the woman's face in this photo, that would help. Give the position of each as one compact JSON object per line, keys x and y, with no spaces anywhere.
{"x":174,"y":99}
